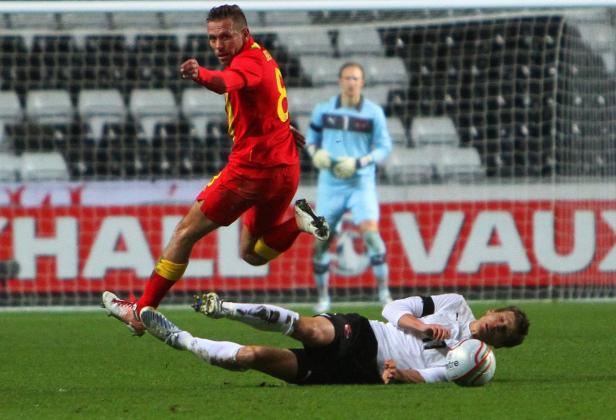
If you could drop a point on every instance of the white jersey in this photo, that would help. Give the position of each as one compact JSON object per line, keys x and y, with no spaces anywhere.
{"x":412,"y":352}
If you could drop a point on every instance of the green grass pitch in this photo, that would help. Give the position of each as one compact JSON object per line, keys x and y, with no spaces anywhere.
{"x":62,"y":365}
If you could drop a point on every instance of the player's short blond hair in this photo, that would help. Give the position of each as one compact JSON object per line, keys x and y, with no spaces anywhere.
{"x":349,"y":64}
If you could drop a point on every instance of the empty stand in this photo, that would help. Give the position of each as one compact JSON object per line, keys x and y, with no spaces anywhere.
{"x":92,"y":21}
{"x":303,"y":100}
{"x":358,"y":40}
{"x":200,"y":106}
{"x":98,"y":107}
{"x":10,"y":165}
{"x":43,"y":166}
{"x":152,"y":106}
{"x":49,"y":106}
{"x":316,"y":42}
{"x":10,"y":112}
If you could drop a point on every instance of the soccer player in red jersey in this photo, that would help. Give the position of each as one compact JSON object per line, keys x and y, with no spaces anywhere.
{"x":262,"y":174}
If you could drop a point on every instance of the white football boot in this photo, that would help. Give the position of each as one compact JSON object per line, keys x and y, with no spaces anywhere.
{"x":323,"y":305}
{"x":159,"y":326}
{"x":384,"y":296}
{"x":123,"y":310}
{"x":310,"y":222}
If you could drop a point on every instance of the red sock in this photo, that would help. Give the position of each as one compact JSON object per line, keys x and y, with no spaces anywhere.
{"x":282,"y":236}
{"x":155,"y":290}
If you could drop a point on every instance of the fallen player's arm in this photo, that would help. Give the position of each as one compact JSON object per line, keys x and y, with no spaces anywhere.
{"x":416,"y":327}
{"x":405,"y":376}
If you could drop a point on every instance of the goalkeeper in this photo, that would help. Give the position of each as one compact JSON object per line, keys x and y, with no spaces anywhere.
{"x":347,"y":137}
{"x":348,"y":348}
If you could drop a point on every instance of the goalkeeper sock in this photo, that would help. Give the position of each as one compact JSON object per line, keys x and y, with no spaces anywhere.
{"x":164,"y":276}
{"x":262,"y":317}
{"x":321,"y":277}
{"x":277,"y":240}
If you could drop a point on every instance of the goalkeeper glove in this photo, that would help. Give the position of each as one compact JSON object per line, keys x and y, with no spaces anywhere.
{"x":346,"y":166}
{"x":320,"y":157}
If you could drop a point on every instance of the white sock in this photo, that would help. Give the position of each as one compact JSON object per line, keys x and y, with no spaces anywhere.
{"x":184,"y":339}
{"x":218,"y":353}
{"x":262,"y":317}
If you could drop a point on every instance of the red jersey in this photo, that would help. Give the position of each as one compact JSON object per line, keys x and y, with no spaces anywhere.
{"x":257,"y":109}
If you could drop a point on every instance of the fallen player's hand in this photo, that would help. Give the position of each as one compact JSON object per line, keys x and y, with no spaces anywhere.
{"x":437,"y":332}
{"x":321,"y":159}
{"x":345,"y":167}
{"x":300,"y":140}
{"x":189,"y":69}
{"x":389,"y":371}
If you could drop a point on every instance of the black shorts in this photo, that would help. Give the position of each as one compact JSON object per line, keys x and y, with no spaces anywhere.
{"x":349,"y":359}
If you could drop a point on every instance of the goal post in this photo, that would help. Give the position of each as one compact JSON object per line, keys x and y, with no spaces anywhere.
{"x":500,"y":184}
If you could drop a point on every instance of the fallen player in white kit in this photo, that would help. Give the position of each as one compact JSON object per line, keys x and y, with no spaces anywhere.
{"x":348,"y":348}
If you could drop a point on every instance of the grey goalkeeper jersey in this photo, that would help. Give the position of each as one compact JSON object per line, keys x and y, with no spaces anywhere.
{"x":412,"y":352}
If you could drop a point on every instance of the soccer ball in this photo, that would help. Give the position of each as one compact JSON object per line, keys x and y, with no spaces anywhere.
{"x":470,"y":363}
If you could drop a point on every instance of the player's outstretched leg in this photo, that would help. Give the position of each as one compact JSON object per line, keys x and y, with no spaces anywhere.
{"x":123,"y":310}
{"x":159,"y":326}
{"x":218,"y":353}
{"x":260,"y":316}
{"x":310,"y":222}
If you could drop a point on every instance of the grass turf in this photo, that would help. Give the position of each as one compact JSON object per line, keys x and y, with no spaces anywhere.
{"x":85,"y":365}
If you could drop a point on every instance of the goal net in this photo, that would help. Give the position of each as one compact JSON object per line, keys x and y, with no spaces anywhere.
{"x":500,"y":183}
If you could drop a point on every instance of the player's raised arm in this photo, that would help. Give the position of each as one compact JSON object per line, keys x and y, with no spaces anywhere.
{"x":241,"y":74}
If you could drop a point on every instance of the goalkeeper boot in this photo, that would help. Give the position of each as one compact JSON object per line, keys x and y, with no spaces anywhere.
{"x":124,"y":310}
{"x":160,"y":327}
{"x":384,"y":296}
{"x":323,"y":305}
{"x":310,"y":222}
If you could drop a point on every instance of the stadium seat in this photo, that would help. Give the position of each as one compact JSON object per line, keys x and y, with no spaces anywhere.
{"x":456,"y":164}
{"x":303,"y":100}
{"x":13,"y":63}
{"x":92,"y":21}
{"x":199,"y":106}
{"x":313,"y":42}
{"x":152,"y":106}
{"x":43,"y":166}
{"x":430,"y":131}
{"x":359,"y":40}
{"x":47,"y":21}
{"x":136,"y":20}
{"x":52,"y":58}
{"x":97,"y":107}
{"x":408,"y":166}
{"x":395,"y":75}
{"x":184,"y":20}
{"x":49,"y":106}
{"x":9,"y":167}
{"x":302,"y":123}
{"x":176,"y":151}
{"x":254,"y":18}
{"x":397,"y":131}
{"x":122,"y":152}
{"x":154,"y":61}
{"x":321,"y":70}
{"x":378,"y":94}
{"x":286,"y":18}
{"x":10,"y":112}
